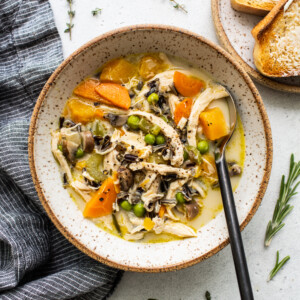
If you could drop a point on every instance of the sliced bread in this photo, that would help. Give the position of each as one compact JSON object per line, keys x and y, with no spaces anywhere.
{"x":277,"y":41}
{"x":255,"y":7}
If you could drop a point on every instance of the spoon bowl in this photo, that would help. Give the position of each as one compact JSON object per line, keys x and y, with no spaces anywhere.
{"x":221,"y":145}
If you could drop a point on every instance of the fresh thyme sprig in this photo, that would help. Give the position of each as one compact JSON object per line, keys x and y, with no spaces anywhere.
{"x":282,"y":208}
{"x":207,"y":295}
{"x":178,"y":6}
{"x":71,"y":14}
{"x":278,"y":265}
{"x":96,"y":11}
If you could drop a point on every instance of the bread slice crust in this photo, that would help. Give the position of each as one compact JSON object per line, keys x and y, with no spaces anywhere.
{"x":277,"y":41}
{"x":254,"y":7}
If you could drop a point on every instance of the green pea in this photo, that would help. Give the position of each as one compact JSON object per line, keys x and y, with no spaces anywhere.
{"x":179,"y":197}
{"x":139,"y":209}
{"x":160,"y":140}
{"x":59,"y":147}
{"x":185,"y":155}
{"x":153,"y":98}
{"x":155,"y":130}
{"x":203,"y":146}
{"x":126,"y":205}
{"x":79,"y":153}
{"x":133,"y":122}
{"x":150,"y":139}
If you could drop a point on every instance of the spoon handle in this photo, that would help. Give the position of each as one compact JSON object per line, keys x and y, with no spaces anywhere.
{"x":235,"y":237}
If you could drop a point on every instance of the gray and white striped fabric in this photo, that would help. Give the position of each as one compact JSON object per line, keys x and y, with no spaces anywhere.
{"x":36,"y":261}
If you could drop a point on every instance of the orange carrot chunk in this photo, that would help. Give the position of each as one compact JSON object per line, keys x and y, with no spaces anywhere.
{"x":183,"y":109}
{"x":187,"y":86}
{"x":118,"y":71}
{"x":115,"y":93}
{"x":86,"y":89}
{"x":82,"y":112}
{"x":102,"y":201}
{"x":162,"y":211}
{"x":213,"y":123}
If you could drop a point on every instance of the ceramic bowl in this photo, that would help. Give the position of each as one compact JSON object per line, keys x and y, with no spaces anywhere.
{"x":64,"y":213}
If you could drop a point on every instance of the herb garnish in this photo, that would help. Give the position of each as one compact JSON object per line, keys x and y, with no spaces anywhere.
{"x":278,"y":265}
{"x":178,"y":6}
{"x":207,"y":295}
{"x":96,"y":11}
{"x":282,"y":208}
{"x":71,"y":14}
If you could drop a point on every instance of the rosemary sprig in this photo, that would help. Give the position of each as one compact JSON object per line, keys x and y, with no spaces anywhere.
{"x":278,"y":265}
{"x":178,"y":6}
{"x":207,"y":295}
{"x":96,"y":11}
{"x":282,"y":208}
{"x":71,"y":14}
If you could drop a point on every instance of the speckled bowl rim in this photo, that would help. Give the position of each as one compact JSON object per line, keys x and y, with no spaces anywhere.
{"x":222,"y":36}
{"x":54,"y":219}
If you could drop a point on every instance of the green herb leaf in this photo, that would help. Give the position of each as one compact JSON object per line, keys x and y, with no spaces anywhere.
{"x":96,"y":11}
{"x":71,"y":14}
{"x":278,"y":265}
{"x":207,"y":295}
{"x":282,"y":208}
{"x":176,"y":5}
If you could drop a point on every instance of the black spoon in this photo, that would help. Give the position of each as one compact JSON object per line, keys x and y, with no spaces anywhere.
{"x":235,"y":237}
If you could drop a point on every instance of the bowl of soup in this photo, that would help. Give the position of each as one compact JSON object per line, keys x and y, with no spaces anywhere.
{"x":122,"y":143}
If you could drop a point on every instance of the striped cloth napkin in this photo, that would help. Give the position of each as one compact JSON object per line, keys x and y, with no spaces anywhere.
{"x":36,"y":261}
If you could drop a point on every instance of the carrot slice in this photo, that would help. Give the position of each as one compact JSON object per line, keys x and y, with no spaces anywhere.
{"x":213,"y":123}
{"x":115,"y":93}
{"x":162,"y":211}
{"x":183,"y":109}
{"x":86,"y":89}
{"x":187,"y":86}
{"x":101,"y":203}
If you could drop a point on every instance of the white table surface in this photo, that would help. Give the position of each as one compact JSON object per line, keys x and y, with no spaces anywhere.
{"x":216,"y":274}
